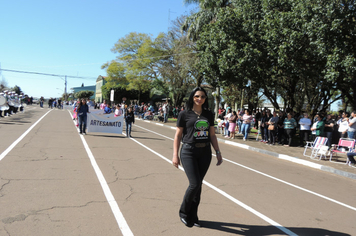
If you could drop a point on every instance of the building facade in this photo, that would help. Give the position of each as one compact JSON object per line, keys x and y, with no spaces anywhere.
{"x":84,"y":88}
{"x":100,"y":81}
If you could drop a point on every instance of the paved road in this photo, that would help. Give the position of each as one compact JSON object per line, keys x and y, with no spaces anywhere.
{"x":55,"y":182}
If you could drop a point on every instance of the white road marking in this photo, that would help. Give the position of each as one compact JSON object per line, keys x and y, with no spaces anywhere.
{"x":274,"y":178}
{"x":124,"y":227}
{"x":250,"y":209}
{"x":20,"y":138}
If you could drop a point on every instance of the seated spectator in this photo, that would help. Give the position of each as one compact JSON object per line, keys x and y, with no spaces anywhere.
{"x":351,"y":155}
{"x":160,"y":116}
{"x":148,"y":116}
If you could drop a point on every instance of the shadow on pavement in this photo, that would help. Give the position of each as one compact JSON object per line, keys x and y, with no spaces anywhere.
{"x":241,"y":229}
{"x":107,"y":136}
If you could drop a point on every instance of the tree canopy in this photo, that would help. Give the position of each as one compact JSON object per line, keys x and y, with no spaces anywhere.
{"x":300,"y":52}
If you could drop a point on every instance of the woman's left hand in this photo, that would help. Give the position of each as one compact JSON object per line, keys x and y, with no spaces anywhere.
{"x":219,"y":157}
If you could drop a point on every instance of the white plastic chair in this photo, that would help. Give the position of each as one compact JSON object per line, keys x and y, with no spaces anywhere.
{"x":321,"y":151}
{"x":314,"y":146}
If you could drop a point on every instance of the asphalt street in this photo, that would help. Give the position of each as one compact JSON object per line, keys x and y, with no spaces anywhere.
{"x":54,"y":181}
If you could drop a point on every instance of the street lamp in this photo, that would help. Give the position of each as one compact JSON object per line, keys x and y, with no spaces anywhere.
{"x":65,"y":87}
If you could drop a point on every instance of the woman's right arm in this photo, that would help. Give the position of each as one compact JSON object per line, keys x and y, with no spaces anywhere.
{"x":176,"y":144}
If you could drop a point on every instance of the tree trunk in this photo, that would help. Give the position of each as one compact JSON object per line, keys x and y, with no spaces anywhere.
{"x":217,"y":102}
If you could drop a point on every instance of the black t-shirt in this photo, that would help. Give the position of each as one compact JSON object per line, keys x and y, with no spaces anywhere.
{"x":329,"y":129}
{"x":195,"y":130}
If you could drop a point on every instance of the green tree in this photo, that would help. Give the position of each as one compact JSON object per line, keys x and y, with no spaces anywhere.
{"x":16,"y":89}
{"x":178,"y":66}
{"x":194,"y":24}
{"x":84,"y":94}
{"x":284,"y":47}
{"x":136,"y":65}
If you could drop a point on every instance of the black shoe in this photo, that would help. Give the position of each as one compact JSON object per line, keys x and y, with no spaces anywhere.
{"x":80,"y":133}
{"x":197,"y":224}
{"x":188,"y":224}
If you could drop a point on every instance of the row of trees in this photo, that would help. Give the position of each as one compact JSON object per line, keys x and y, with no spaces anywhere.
{"x":295,"y":51}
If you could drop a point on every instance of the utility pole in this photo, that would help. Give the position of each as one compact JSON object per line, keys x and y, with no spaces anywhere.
{"x":65,"y":88}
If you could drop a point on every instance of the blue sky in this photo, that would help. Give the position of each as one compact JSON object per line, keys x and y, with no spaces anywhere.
{"x":72,"y":38}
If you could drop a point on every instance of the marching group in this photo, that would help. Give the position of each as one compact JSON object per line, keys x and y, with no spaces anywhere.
{"x":11,"y":103}
{"x":81,"y":109}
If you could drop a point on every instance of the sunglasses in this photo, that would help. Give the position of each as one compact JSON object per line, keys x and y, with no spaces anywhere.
{"x":197,"y":96}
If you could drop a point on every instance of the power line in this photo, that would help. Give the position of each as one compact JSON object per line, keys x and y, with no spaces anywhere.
{"x":40,"y":73}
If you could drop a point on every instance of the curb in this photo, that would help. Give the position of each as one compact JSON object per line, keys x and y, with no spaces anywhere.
{"x":280,"y":156}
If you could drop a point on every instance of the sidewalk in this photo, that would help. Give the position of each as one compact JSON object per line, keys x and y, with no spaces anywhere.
{"x":293,"y":154}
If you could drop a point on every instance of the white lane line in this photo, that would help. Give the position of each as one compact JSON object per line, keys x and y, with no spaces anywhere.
{"x":274,"y":178}
{"x":124,"y":227}
{"x":21,"y":137}
{"x":243,"y":205}
{"x":293,"y":185}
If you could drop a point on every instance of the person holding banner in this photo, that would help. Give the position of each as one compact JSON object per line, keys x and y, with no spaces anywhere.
{"x":129,"y":119}
{"x":82,"y":111}
{"x":107,"y":109}
{"x":195,"y":127}
{"x":118,"y":111}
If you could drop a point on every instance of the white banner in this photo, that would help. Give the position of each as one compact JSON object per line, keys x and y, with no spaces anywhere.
{"x":105,"y":123}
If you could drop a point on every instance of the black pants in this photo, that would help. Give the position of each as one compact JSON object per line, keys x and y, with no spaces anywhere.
{"x":196,"y":162}
{"x":288,"y":134}
{"x":272,"y":136}
{"x":280,"y":135}
{"x":329,"y":135}
{"x":303,"y":136}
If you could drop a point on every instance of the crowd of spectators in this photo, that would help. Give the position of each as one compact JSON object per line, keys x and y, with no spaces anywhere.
{"x":287,"y":128}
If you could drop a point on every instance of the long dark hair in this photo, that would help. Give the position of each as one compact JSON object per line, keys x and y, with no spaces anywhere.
{"x":80,"y":103}
{"x":190,"y":102}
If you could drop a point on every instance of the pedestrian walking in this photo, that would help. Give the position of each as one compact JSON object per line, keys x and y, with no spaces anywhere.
{"x":195,"y":127}
{"x":82,"y":111}
{"x":129,"y":120}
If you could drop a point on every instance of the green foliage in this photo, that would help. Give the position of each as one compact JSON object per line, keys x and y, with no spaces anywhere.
{"x":136,"y":64}
{"x":16,"y":89}
{"x":300,"y":50}
{"x":84,"y":94}
{"x":120,"y":92}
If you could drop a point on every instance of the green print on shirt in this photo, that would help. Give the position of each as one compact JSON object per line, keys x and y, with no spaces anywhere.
{"x":203,"y":127}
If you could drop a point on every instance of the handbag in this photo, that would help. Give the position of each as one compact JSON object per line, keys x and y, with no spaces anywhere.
{"x":271,"y":127}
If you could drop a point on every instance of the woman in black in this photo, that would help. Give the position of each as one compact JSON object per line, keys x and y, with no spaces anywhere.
{"x":329,"y":129}
{"x":129,"y":119}
{"x":195,"y":127}
{"x":82,"y":111}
